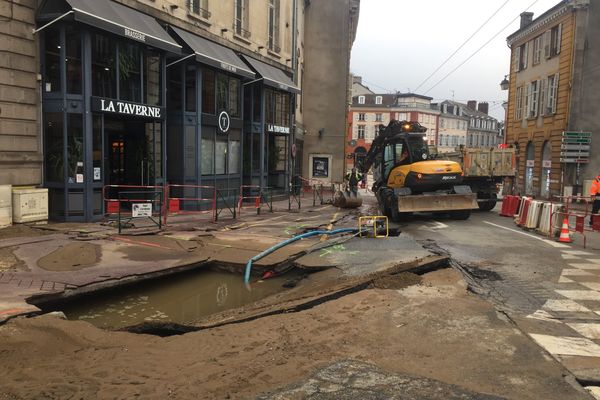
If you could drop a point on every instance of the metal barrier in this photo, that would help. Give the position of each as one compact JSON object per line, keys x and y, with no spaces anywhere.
{"x":225,"y":200}
{"x":255,"y":195}
{"x":319,"y":192}
{"x":141,"y":208}
{"x":174,"y":203}
{"x":112,"y":200}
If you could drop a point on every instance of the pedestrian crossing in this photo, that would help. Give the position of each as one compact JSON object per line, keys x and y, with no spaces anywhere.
{"x":568,"y":326}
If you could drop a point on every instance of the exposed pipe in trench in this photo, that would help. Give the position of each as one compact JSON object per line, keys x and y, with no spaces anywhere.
{"x":285,"y":243}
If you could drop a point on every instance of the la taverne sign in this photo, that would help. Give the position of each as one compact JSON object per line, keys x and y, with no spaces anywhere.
{"x":120,"y":107}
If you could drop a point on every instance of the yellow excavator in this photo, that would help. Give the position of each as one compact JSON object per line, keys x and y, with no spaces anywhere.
{"x":407,"y":179}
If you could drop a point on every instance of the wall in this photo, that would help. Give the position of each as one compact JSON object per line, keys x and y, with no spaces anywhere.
{"x":326,"y":81}
{"x":20,"y":150}
{"x":586,"y":83}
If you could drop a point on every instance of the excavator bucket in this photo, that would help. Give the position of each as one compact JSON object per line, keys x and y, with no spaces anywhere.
{"x":345,"y":199}
{"x":437,"y":202}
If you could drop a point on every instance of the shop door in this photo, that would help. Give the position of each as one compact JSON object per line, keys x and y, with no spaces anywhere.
{"x":128,"y":160}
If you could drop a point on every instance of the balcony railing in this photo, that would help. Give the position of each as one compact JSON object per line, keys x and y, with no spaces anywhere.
{"x":237,"y":28}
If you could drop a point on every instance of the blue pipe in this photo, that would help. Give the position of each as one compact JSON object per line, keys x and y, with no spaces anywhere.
{"x":285,"y":243}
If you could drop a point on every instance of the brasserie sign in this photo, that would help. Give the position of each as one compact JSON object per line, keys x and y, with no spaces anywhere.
{"x":278,"y":129}
{"x":126,"y":108}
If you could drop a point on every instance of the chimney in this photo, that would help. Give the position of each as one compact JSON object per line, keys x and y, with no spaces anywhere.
{"x":357,"y":79}
{"x":472,"y":104}
{"x":483,"y":107}
{"x":526,"y":19}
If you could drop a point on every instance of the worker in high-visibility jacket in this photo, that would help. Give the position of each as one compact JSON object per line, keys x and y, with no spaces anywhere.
{"x":595,"y":194}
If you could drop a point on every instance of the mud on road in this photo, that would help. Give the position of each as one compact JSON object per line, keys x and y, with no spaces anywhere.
{"x":435,"y":330}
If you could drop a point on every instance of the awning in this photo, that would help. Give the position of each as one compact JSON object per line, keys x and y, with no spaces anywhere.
{"x":112,"y":17}
{"x":272,"y":76}
{"x":214,"y":54}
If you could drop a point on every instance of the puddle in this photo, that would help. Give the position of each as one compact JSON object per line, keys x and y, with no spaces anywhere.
{"x":182,"y":299}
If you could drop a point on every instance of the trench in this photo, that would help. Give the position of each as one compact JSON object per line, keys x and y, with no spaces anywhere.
{"x":172,"y":303}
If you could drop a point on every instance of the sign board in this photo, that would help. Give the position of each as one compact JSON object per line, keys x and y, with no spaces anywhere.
{"x":530,"y":163}
{"x":224,"y":122}
{"x":294,"y":149}
{"x":575,"y":147}
{"x":546,"y":164}
{"x":278,"y":129}
{"x":120,"y":107}
{"x":96,"y":173}
{"x":320,"y":167}
{"x":141,"y":210}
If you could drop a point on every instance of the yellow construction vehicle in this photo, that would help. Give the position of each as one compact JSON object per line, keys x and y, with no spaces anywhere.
{"x":407,"y":179}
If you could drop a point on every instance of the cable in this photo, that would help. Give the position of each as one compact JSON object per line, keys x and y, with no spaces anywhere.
{"x":462,"y":45}
{"x":479,"y":49}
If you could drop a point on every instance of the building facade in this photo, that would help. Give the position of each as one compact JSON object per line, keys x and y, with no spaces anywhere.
{"x":483,"y":130}
{"x":553,"y":87}
{"x":453,"y":127}
{"x":145,"y":93}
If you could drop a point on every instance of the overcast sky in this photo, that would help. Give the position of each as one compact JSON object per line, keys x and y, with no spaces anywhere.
{"x":399,"y":43}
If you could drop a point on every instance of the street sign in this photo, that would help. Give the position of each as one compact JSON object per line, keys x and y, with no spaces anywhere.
{"x":582,"y":154}
{"x":574,"y":160}
{"x":575,"y":147}
{"x":141,"y":210}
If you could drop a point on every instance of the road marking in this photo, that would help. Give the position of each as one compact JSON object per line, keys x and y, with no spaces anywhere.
{"x":575,"y":272}
{"x":579,"y":294}
{"x":543,"y":316}
{"x":585,"y":266}
{"x":563,"y":279}
{"x":564,"y":305}
{"x":591,"y":285}
{"x":590,"y":331}
{"x":577,"y":252}
{"x":595,"y":391}
{"x":570,"y":257}
{"x":550,"y":242}
{"x":434,"y":226}
{"x":593,"y":261}
{"x":567,"y":346}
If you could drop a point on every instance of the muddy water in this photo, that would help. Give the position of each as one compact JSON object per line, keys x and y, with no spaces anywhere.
{"x":183,"y":299}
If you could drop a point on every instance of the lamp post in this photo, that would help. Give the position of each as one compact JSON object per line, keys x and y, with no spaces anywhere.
{"x":504,"y":83}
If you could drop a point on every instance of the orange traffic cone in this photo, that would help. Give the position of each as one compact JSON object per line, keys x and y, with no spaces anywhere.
{"x":564,"y":232}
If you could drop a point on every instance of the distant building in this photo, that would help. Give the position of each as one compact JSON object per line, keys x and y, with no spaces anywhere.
{"x":554,"y":88}
{"x":453,"y":126}
{"x":483,"y":130}
{"x":358,"y":87}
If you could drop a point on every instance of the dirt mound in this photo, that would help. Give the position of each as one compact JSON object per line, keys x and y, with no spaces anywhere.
{"x":398,"y":281}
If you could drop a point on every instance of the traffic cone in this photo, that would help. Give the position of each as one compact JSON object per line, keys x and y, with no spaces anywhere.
{"x":564,"y":232}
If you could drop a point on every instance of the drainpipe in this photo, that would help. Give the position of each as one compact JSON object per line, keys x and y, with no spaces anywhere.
{"x":295,"y":43}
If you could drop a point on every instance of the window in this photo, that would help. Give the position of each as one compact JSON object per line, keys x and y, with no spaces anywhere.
{"x":208,"y":91}
{"x":208,"y":151}
{"x":361,"y":117}
{"x":361,"y":99}
{"x":241,"y":18}
{"x":379,"y":117}
{"x":521,"y":57}
{"x":73,"y":60}
{"x":537,"y":50}
{"x":152,"y":78}
{"x":553,"y":37}
{"x":519,"y":104}
{"x":361,"y":131}
{"x":200,"y":7}
{"x":130,"y":74}
{"x":534,"y":92}
{"x":54,"y":139}
{"x":551,"y":95}
{"x":273,"y":25}
{"x":442,"y":122}
{"x":190,"y":88}
{"x":52,"y":60}
{"x":378,"y":100}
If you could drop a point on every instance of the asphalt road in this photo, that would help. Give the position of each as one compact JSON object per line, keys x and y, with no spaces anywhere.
{"x":550,"y":290}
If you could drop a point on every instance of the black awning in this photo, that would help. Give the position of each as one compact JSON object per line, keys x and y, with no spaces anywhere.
{"x":272,"y":76}
{"x":113,"y":17}
{"x":214,"y":54}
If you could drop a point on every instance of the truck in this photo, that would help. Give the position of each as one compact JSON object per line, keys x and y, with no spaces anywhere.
{"x":484,"y":169}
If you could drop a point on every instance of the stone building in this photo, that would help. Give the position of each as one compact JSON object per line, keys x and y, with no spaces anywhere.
{"x":97,"y":93}
{"x":553,"y":93}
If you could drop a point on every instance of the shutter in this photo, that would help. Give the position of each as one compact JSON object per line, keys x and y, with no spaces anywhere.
{"x":559,"y":38}
{"x":555,"y":93}
{"x":547,"y":38}
{"x":517,"y":58}
{"x":543,"y":95}
{"x":526,"y":50}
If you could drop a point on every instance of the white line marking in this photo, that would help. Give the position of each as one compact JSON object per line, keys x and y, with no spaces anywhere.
{"x":591,"y":285}
{"x":543,"y":316}
{"x":585,"y":266}
{"x":564,"y":305}
{"x":563,"y":279}
{"x":568,"y":346}
{"x":577,"y":252}
{"x":590,"y":331}
{"x":575,"y":272}
{"x":595,"y":391}
{"x":570,"y":257}
{"x":593,"y":261}
{"x":550,"y":242}
{"x":579,"y":294}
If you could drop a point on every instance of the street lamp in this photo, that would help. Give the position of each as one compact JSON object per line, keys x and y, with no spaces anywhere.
{"x":504,"y":83}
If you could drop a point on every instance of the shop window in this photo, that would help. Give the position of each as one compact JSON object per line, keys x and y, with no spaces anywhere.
{"x":208,"y":91}
{"x":97,"y":147}
{"x":75,"y":150}
{"x":234,"y":98}
{"x":103,"y":67}
{"x":221,"y":92}
{"x":221,"y":155}
{"x":208,"y":151}
{"x":190,"y":88}
{"x":174,"y":84}
{"x":546,"y":169}
{"x":278,"y":109}
{"x":269,"y":106}
{"x":130,"y":79}
{"x":255,"y":153}
{"x":52,"y":60}
{"x":152,"y":78}
{"x":73,"y":60}
{"x":54,"y":139}
{"x":529,"y":166}
{"x":234,"y":152}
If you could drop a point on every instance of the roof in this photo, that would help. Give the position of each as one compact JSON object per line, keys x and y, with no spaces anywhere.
{"x":468,"y":111}
{"x":539,"y":21}
{"x":272,"y":76}
{"x":387,"y":100}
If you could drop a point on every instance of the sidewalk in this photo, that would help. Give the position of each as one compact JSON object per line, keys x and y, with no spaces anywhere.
{"x":62,"y":260}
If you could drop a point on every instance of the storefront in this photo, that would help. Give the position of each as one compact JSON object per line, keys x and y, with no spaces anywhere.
{"x":103,"y":84}
{"x":204,"y":108}
{"x":269,"y":147}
